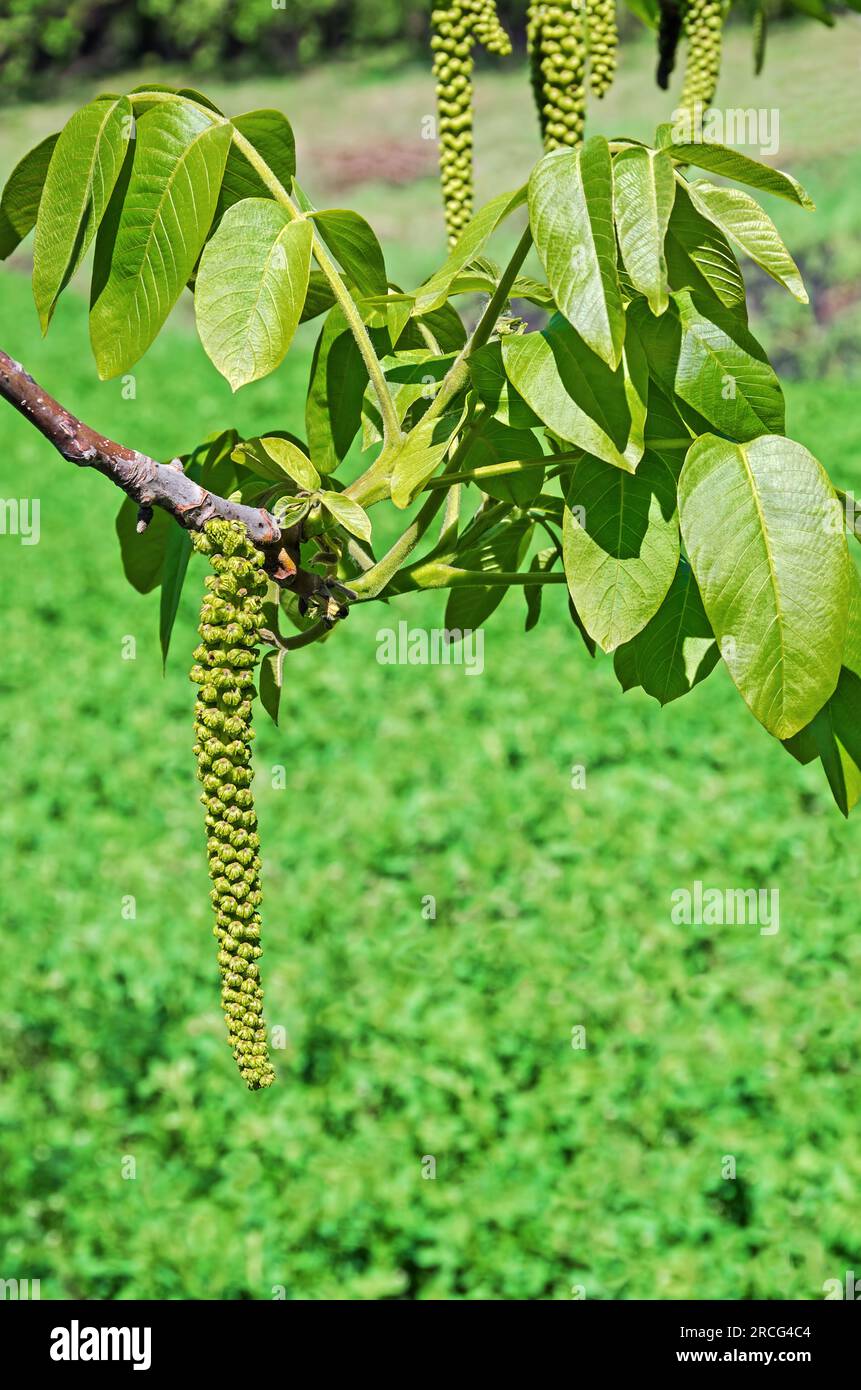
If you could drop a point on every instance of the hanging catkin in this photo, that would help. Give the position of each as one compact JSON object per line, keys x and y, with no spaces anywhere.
{"x":669,"y":33}
{"x":603,"y":40}
{"x":703,"y":21}
{"x":556,"y":38}
{"x":456,"y":29}
{"x":230,"y":618}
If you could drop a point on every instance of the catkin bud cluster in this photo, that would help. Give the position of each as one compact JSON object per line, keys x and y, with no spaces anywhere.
{"x":230,"y":618}
{"x":456,"y":29}
{"x":703,"y":21}
{"x":603,"y":40}
{"x":556,"y":38}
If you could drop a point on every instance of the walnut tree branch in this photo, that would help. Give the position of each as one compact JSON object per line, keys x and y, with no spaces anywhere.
{"x":149,"y":483}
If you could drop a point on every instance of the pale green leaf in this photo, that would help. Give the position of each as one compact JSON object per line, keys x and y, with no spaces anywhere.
{"x":644,"y":189}
{"x":251,"y":289}
{"x":276,"y":459}
{"x":699,"y":257}
{"x":772,"y":570}
{"x":475,"y":235}
{"x":730,"y":164}
{"x":571,"y":216}
{"x":418,"y":455}
{"x":742,"y":219}
{"x":723,"y":372}
{"x":348,"y":514}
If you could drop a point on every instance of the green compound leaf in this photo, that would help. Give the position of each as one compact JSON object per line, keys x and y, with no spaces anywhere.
{"x":729,"y":164}
{"x":435,"y":291}
{"x":742,"y":219}
{"x":620,"y":545}
{"x":676,"y":649}
{"x":757,"y":521}
{"x":699,"y":257}
{"x":571,"y":216}
{"x":724,"y":373}
{"x":354,"y":245}
{"x":577,"y":396}
{"x":176,"y":558}
{"x":348,"y":514}
{"x":644,"y":190}
{"x":85,"y":165}
{"x":168,"y":209}
{"x":19,"y":205}
{"x":338,"y":378}
{"x":834,"y":735}
{"x":271,"y":682}
{"x":272,"y":137}
{"x":251,"y":289}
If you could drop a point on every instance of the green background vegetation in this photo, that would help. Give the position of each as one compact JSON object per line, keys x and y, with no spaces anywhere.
{"x":409,"y":1037}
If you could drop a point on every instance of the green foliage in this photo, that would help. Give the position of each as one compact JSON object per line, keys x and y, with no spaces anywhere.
{"x":580,"y":428}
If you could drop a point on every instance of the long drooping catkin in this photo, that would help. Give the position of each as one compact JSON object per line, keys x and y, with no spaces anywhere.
{"x":556,"y":38}
{"x":603,"y":40}
{"x":703,"y":21}
{"x":456,"y":29}
{"x":229,"y":629}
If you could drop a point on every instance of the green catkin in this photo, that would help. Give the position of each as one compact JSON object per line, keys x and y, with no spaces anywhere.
{"x":556,"y":38}
{"x":456,"y":29}
{"x":703,"y":21}
{"x":230,"y":618}
{"x":603,"y":40}
{"x":669,"y":33}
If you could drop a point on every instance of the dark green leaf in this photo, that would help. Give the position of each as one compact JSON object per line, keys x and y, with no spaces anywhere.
{"x":675,"y":650}
{"x":620,"y":544}
{"x":21,"y":194}
{"x":354,"y":245}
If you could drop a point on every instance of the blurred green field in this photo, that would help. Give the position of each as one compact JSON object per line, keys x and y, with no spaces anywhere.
{"x":407,"y":1037}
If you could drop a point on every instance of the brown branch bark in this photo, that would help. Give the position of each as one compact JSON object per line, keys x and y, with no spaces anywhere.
{"x":149,"y":483}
